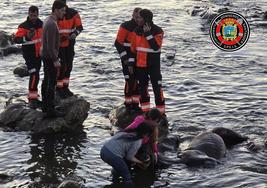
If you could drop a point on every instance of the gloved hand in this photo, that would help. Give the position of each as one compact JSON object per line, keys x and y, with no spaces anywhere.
{"x":146,"y":27}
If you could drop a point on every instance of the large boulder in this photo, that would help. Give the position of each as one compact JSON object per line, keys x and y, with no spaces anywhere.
{"x":6,"y":45}
{"x":21,"y":71}
{"x":18,"y":117}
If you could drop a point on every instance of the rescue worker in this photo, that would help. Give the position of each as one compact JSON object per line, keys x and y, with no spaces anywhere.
{"x":50,"y":48}
{"x":146,"y":49}
{"x":123,"y":44}
{"x":29,"y":34}
{"x":69,"y":28}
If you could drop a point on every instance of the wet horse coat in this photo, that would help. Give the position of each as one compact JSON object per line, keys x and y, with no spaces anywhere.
{"x":207,"y":147}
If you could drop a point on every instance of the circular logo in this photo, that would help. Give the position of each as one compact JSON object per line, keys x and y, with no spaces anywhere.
{"x":229,"y":31}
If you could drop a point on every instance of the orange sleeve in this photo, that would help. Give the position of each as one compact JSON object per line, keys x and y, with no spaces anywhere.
{"x":159,"y":39}
{"x":122,"y":35}
{"x":21,"y":32}
{"x":77,"y":20}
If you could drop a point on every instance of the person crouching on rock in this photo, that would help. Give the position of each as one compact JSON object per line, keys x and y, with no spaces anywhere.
{"x":152,"y":117}
{"x":124,"y":145}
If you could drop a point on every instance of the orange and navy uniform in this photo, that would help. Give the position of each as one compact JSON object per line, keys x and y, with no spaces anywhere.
{"x":146,"y":50}
{"x":31,"y":52}
{"x":71,"y":23}
{"x":123,"y":44}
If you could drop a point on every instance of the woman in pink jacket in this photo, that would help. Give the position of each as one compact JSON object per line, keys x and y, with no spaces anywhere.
{"x":152,"y":117}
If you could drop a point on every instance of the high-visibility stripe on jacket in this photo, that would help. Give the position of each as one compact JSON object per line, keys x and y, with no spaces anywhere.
{"x":124,"y":39}
{"x":71,"y":23}
{"x":30,"y":47}
{"x":146,"y":47}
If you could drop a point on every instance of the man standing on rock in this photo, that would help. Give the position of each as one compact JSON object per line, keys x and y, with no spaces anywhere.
{"x":50,"y":49}
{"x":69,"y":28}
{"x":29,"y":34}
{"x":123,"y":44}
{"x":146,"y":49}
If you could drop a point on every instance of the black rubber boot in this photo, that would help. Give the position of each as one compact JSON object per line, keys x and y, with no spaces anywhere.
{"x":61,"y":93}
{"x":35,"y":103}
{"x":68,"y":92}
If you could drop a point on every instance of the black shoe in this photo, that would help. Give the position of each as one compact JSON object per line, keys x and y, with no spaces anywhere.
{"x":35,"y":103}
{"x":54,"y":113}
{"x":61,"y":93}
{"x":68,"y":92}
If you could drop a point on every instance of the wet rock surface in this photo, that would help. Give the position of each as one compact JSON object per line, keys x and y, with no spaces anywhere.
{"x":17,"y":116}
{"x":70,"y":184}
{"x":21,"y":71}
{"x":6,"y":44}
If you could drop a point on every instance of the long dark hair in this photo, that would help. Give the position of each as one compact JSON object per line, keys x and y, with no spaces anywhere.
{"x":143,"y":129}
{"x":153,"y":114}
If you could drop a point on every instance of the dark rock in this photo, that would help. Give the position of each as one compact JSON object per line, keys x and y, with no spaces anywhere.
{"x":70,"y":184}
{"x":18,"y":117}
{"x":224,"y":9}
{"x":6,"y":44}
{"x":21,"y":71}
{"x":170,"y":56}
{"x":4,"y":178}
{"x":121,"y":118}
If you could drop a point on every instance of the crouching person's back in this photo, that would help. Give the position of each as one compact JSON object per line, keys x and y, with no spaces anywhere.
{"x":124,"y":146}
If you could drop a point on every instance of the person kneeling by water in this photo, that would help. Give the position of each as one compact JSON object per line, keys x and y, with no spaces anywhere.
{"x":124,"y":145}
{"x":152,"y":118}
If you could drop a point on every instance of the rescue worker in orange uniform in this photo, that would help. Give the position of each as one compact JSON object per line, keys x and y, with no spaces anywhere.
{"x":146,"y":49}
{"x":29,"y":34}
{"x":123,"y":44}
{"x":69,"y":28}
